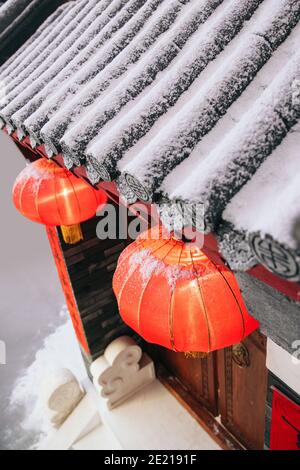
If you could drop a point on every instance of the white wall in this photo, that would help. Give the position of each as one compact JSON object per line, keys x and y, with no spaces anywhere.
{"x":285,"y":366}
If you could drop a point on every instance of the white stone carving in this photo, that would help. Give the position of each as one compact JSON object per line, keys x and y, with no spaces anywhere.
{"x":122,"y":371}
{"x":83,"y":420}
{"x":61,"y":393}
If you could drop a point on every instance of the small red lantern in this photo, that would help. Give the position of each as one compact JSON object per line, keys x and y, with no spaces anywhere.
{"x":180,"y":296}
{"x":48,"y":194}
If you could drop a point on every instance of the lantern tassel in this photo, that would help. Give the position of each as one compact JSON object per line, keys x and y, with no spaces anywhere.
{"x":195,"y":355}
{"x":72,"y":234}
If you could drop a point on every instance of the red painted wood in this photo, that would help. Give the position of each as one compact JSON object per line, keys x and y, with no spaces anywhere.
{"x":285,"y":426}
{"x":288,"y":288}
{"x":41,"y":151}
{"x":59,"y":160}
{"x":67,"y":287}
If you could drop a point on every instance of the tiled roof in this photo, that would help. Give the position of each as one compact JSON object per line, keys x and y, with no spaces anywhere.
{"x":181,"y":100}
{"x":19,"y":20}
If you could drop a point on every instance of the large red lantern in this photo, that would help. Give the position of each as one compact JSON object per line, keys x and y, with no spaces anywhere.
{"x":48,"y":194}
{"x":180,"y":296}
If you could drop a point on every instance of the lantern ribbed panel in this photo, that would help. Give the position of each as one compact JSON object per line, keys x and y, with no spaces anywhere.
{"x":179,"y":296}
{"x":46,"y":193}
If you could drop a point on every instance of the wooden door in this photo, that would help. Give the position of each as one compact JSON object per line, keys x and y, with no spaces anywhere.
{"x":199,"y":376}
{"x":242,"y":390}
{"x":231,"y":383}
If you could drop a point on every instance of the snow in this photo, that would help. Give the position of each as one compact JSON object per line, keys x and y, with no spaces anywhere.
{"x":27,"y":390}
{"x":179,"y":136}
{"x":269,"y":202}
{"x":149,"y":266}
{"x":227,"y":167}
{"x":34,"y":172}
{"x":38,"y":51}
{"x":139,"y":77}
{"x":29,"y":81}
{"x":87,"y":65}
{"x":177,"y":95}
{"x":10,"y":10}
{"x":234,"y":114}
{"x":138,"y":119}
{"x":103,"y":28}
{"x":235,"y":248}
{"x":90,"y":82}
{"x":17,"y":59}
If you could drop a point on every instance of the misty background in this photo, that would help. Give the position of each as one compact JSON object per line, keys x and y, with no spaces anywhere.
{"x":33,"y":322}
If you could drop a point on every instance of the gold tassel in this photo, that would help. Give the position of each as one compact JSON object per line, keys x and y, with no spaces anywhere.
{"x":195,"y":355}
{"x":72,"y":234}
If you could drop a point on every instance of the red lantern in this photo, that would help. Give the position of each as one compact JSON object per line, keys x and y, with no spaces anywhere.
{"x":48,"y":194}
{"x":179,"y":296}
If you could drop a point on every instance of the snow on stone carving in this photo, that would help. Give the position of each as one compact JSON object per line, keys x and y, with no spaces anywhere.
{"x":235,"y":248}
{"x":122,"y":371}
{"x":61,"y":393}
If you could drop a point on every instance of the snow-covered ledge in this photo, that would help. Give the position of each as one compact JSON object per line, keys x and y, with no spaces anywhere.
{"x":285,"y":366}
{"x":154,"y":420}
{"x":150,"y":417}
{"x":147,"y":418}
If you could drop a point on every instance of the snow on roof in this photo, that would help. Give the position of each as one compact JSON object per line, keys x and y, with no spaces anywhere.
{"x":269,"y":202}
{"x":10,"y":11}
{"x":19,"y":20}
{"x":189,"y":100}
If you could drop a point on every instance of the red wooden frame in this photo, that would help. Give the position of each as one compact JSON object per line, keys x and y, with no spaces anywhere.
{"x":285,"y":426}
{"x":67,"y":287}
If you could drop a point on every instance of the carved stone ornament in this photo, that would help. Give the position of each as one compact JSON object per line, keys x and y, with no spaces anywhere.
{"x":33,"y":140}
{"x":240,"y":355}
{"x":126,"y":193}
{"x":61,"y":393}
{"x":122,"y":371}
{"x":96,"y":172}
{"x":10,"y":128}
{"x":275,"y":257}
{"x":177,"y":214}
{"x":21,"y":134}
{"x":92,"y":174}
{"x":50,"y":148}
{"x":139,"y":190}
{"x":235,"y":248}
{"x":68,"y":161}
